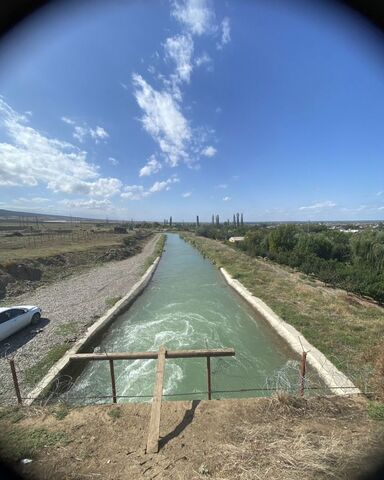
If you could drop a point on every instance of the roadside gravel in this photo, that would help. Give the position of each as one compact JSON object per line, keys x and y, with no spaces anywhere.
{"x":69,"y":307}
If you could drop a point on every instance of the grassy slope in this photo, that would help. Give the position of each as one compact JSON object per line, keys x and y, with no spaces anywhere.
{"x":346,"y":328}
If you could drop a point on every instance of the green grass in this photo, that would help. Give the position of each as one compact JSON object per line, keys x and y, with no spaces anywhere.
{"x":347,"y":329}
{"x":19,"y":442}
{"x":12,"y":414}
{"x":159,"y":247}
{"x":114,"y":413}
{"x":111,"y":301}
{"x":376,"y":410}
{"x":35,"y":373}
{"x":60,"y":411}
{"x":67,"y":328}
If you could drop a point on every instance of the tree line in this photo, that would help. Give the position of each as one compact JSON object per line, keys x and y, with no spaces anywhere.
{"x":352,"y":261}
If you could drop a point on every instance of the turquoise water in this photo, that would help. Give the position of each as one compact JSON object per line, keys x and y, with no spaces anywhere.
{"x":188,"y":305}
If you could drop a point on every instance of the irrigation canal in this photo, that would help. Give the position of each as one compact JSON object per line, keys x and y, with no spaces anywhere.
{"x":188,"y":305}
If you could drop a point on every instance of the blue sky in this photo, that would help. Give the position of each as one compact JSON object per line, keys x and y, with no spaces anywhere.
{"x":190,"y":107}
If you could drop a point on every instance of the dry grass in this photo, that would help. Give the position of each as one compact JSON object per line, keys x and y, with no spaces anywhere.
{"x":279,"y":447}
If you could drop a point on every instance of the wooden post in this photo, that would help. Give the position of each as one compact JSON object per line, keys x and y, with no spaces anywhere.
{"x":209,"y":378}
{"x":113,"y":383}
{"x":15,"y":381}
{"x":154,"y":423}
{"x":302,"y":373}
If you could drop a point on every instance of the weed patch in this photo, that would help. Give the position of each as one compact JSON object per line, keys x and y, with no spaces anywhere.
{"x":33,"y":374}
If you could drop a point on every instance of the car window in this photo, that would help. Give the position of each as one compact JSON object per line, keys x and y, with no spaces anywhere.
{"x":5,"y":316}
{"x":15,"y":312}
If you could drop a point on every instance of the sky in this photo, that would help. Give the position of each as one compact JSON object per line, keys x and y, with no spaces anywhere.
{"x":146,"y":109}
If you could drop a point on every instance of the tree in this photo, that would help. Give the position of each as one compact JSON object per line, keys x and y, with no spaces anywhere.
{"x":241,"y":220}
{"x":217,"y":220}
{"x":170,"y":221}
{"x":238,"y":220}
{"x":213,"y":219}
{"x":197,"y":221}
{"x":234,"y":220}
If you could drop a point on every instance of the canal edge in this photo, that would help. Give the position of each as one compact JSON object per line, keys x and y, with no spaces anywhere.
{"x":328,"y":372}
{"x":118,"y":308}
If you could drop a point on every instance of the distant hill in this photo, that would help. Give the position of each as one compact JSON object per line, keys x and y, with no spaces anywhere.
{"x":15,"y":215}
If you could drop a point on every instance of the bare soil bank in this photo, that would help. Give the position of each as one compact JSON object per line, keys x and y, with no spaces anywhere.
{"x":277,"y":438}
{"x":23,"y":275}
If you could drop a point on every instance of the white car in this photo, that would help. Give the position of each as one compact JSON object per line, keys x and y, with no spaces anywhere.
{"x":13,"y":319}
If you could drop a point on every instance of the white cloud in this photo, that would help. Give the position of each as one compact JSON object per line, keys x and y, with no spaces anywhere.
{"x":203,"y":59}
{"x":164,"y":185}
{"x":226,"y":199}
{"x":222,"y":185}
{"x":31,"y":158}
{"x":29,"y":201}
{"x":138,"y":192}
{"x":151,"y":167}
{"x":80,"y":132}
{"x":88,"y":204}
{"x":186,"y":194}
{"x":99,"y":133}
{"x":209,"y":151}
{"x":180,"y":49}
{"x":319,"y":205}
{"x":113,"y":161}
{"x":225,"y":33}
{"x":163,"y":120}
{"x":196,"y":15}
{"x":134,"y":192}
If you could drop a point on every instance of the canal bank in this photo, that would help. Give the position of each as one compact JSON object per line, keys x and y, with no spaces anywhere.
{"x":188,"y":305}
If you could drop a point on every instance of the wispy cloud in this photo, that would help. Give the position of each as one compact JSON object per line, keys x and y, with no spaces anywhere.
{"x":227,"y":199}
{"x":81,"y":132}
{"x":222,"y":185}
{"x":88,"y":204}
{"x":196,"y":15}
{"x":209,"y":151}
{"x":151,"y":167}
{"x":225,"y":33}
{"x":180,"y":49}
{"x":319,"y":205}
{"x":163,"y":120}
{"x":138,"y":192}
{"x":113,"y":161}
{"x":186,"y":194}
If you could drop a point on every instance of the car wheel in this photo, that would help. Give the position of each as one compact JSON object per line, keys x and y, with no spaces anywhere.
{"x":36,"y":318}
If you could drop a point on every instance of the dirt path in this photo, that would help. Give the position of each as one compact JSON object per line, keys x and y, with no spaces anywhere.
{"x":278,"y":438}
{"x":69,"y":307}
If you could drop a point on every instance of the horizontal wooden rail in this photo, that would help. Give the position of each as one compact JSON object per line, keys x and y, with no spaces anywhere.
{"x":219,"y":352}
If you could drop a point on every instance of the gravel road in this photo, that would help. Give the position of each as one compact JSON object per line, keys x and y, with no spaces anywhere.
{"x":69,"y":307}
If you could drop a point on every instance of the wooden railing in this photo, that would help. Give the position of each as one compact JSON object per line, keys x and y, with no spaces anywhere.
{"x":161,"y":356}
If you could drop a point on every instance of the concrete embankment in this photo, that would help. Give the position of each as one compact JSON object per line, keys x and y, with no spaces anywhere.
{"x":336,"y":381}
{"x":62,"y":366}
